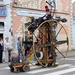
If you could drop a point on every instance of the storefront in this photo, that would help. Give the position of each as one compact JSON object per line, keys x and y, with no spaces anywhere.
{"x":2,"y":18}
{"x":5,"y":22}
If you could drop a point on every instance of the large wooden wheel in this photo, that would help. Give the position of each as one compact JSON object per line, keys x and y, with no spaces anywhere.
{"x":52,"y":43}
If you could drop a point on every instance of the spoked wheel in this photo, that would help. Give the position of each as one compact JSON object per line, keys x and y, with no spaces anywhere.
{"x":26,"y":68}
{"x":52,"y":46}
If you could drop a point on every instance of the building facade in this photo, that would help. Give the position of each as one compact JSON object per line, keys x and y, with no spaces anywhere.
{"x":22,"y":10}
{"x":18,"y":12}
{"x":5,"y":19}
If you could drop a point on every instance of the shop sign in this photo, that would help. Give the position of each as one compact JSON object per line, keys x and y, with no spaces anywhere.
{"x":27,"y":12}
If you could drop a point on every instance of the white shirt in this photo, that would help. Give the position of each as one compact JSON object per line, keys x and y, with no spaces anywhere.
{"x":7,"y":45}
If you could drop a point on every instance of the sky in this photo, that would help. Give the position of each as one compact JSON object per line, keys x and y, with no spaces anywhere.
{"x":73,"y":1}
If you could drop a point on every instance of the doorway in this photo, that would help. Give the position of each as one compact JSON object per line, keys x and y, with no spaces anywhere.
{"x":1,"y":35}
{"x":1,"y":29}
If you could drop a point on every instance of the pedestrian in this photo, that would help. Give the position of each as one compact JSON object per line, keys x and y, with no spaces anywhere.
{"x":1,"y":49}
{"x":19,"y":46}
{"x":7,"y":50}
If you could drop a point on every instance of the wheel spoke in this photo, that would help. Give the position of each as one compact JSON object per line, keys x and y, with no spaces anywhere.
{"x":58,"y":33}
{"x":59,"y":52}
{"x":61,"y":42}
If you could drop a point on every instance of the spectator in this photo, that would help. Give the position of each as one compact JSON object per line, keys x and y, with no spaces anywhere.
{"x":7,"y":49}
{"x":19,"y":46}
{"x":1,"y":49}
{"x":27,"y":43}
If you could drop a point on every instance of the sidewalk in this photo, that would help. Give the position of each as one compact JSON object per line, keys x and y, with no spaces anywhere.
{"x":71,"y":53}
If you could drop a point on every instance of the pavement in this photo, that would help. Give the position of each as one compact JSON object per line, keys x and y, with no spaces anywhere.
{"x":71,"y":53}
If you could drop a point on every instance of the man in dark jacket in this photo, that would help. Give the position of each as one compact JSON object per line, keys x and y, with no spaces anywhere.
{"x":27,"y":43}
{"x":47,"y":16}
{"x":38,"y":21}
{"x":1,"y":49}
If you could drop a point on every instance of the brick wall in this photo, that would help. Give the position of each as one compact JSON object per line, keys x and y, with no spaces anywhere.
{"x":63,"y":10}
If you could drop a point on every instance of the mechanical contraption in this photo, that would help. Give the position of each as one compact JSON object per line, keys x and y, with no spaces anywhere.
{"x":52,"y":40}
{"x":51,"y":43}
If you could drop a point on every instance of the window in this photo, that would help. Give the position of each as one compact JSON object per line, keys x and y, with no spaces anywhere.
{"x":55,"y":7}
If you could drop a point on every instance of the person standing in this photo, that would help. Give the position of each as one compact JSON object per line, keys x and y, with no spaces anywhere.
{"x":7,"y":49}
{"x":1,"y":49}
{"x":25,"y":44}
{"x":19,"y":46}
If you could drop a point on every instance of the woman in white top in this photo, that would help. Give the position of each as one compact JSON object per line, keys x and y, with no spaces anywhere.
{"x":7,"y":48}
